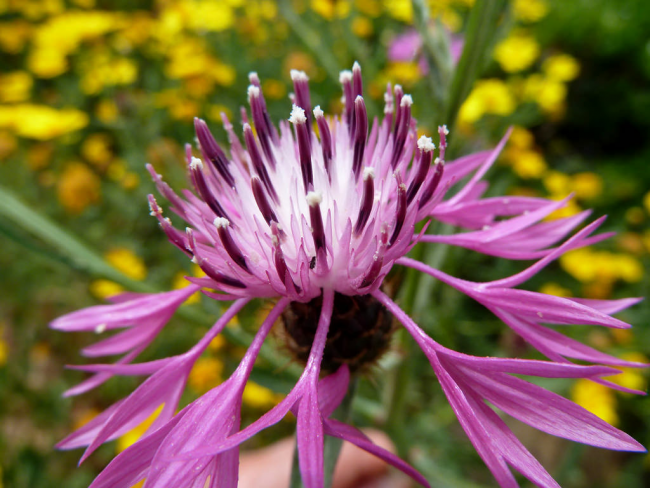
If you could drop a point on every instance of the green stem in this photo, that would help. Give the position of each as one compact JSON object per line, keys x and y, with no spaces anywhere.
{"x":479,"y":38}
{"x":331,"y":445}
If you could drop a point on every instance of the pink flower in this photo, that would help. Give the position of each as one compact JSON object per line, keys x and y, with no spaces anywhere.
{"x":407,"y":47}
{"x":316,"y":223}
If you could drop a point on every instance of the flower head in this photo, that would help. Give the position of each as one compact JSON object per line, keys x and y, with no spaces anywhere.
{"x":314,"y":215}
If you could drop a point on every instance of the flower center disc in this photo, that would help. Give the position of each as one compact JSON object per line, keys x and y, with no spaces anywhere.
{"x":360,"y":331}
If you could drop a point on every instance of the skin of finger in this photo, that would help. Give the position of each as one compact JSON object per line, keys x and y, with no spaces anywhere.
{"x":271,"y":467}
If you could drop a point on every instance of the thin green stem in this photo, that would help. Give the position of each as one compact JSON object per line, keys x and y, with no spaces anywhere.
{"x":331,"y":445}
{"x":479,"y":38}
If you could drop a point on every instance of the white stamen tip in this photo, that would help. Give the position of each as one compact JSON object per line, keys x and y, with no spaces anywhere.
{"x":407,"y":101}
{"x":196,"y":163}
{"x":437,"y":161}
{"x":252,"y":76}
{"x":297,"y":75}
{"x":426,"y":144}
{"x":356,"y":66}
{"x":318,"y":112}
{"x":100,"y":328}
{"x":297,"y":115}
{"x":247,"y":126}
{"x":540,"y":315}
{"x":345,"y":76}
{"x":359,"y":99}
{"x":253,"y":91}
{"x":368,"y":172}
{"x":221,"y":222}
{"x":314,"y":198}
{"x":445,"y":131}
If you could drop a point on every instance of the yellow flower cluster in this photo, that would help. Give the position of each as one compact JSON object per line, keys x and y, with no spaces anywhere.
{"x":124,"y":260}
{"x":39,"y":121}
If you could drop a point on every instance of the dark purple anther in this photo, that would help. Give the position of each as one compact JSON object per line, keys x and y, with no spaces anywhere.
{"x":401,"y":128}
{"x":278,"y":257}
{"x":374,"y":270}
{"x":211,"y":271}
{"x":258,"y":164}
{"x":426,"y":147}
{"x":433,"y":183}
{"x":367,"y":200}
{"x":263,"y":130}
{"x":357,"y":81}
{"x":255,"y":80}
{"x":262,"y":202}
{"x":317,"y":229}
{"x":198,"y":180}
{"x":229,"y":245}
{"x":325,"y":140}
{"x":175,"y":236}
{"x":345,"y":78}
{"x":399,"y":93}
{"x":212,"y":151}
{"x":400,"y":212}
{"x":301,"y":90}
{"x":360,"y":135}
{"x":299,"y":120}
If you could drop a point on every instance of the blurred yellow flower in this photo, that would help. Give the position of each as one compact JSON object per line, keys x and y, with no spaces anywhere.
{"x":41,"y":122}
{"x":15,"y":86}
{"x":258,"y":396}
{"x":570,"y":209}
{"x":632,"y":378}
{"x":490,"y":96}
{"x":561,"y":67}
{"x":14,"y":35}
{"x":96,"y":149}
{"x":635,"y":215}
{"x":101,"y":69}
{"x":208,"y":15}
{"x":104,"y":289}
{"x":548,"y":93}
{"x":371,"y":8}
{"x":516,"y":52}
{"x":106,"y":111}
{"x":587,"y":265}
{"x":587,"y":185}
{"x":528,"y":164}
{"x":405,"y":73}
{"x":646,"y":202}
{"x":78,"y":187}
{"x":557,"y":184}
{"x":598,"y":399}
{"x":8,"y":144}
{"x":554,"y":289}
{"x":126,"y":261}
{"x":362,"y":27}
{"x":206,"y":374}
{"x":399,"y":9}
{"x":521,"y":138}
{"x":217,"y":343}
{"x":132,"y":436}
{"x":4,"y":352}
{"x":530,"y":10}
{"x":329,"y":9}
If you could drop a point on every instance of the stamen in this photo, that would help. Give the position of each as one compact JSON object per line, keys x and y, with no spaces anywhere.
{"x":357,"y":81}
{"x":299,"y":120}
{"x":345,"y":78}
{"x":360,"y":135}
{"x":399,"y":93}
{"x":443,"y":132}
{"x":229,"y":245}
{"x":198,"y":180}
{"x":174,"y":235}
{"x":400,"y":212}
{"x":433,"y":183}
{"x":261,"y":200}
{"x":325,"y":140}
{"x":317,"y":229}
{"x":212,"y":151}
{"x":367,"y":200}
{"x":301,"y":90}
{"x":389,"y":106}
{"x":261,"y":124}
{"x":375,"y":268}
{"x":211,"y":271}
{"x":258,"y":164}
{"x":401,"y":128}
{"x":426,"y":147}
